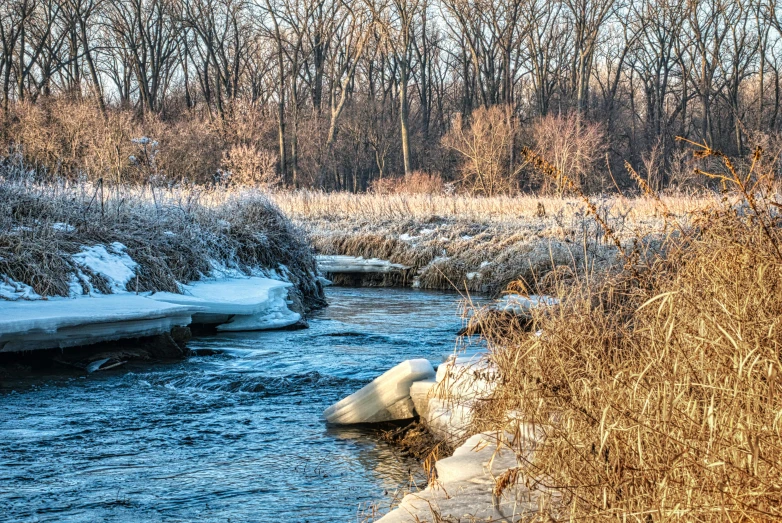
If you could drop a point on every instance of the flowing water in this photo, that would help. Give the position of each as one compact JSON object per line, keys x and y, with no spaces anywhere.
{"x":235,"y":436}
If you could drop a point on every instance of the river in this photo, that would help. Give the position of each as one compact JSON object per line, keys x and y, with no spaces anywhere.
{"x":236,"y":436}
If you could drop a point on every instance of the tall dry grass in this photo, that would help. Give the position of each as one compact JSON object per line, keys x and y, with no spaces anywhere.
{"x":477,"y":243}
{"x":658,"y":386}
{"x":317,"y":205}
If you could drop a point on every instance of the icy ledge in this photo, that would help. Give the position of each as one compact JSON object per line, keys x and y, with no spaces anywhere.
{"x":340,"y":264}
{"x":232,"y":304}
{"x":237,"y":304}
{"x":63,"y":322}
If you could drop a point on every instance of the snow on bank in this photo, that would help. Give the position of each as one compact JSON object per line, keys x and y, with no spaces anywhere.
{"x":29,"y":321}
{"x":63,"y":322}
{"x":237,"y":304}
{"x":13,"y":290}
{"x":114,"y":264}
{"x":521,"y":305}
{"x":464,"y":488}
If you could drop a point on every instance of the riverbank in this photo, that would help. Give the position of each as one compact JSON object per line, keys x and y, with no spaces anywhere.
{"x":479,"y":244}
{"x":82,"y":264}
{"x":649,"y":391}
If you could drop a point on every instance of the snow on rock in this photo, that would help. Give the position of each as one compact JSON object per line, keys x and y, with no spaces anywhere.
{"x":339,"y":264}
{"x":114,"y":264}
{"x":522,"y":305}
{"x":237,"y":304}
{"x":461,"y":382}
{"x":387,"y":398}
{"x":464,"y":488}
{"x":63,"y":322}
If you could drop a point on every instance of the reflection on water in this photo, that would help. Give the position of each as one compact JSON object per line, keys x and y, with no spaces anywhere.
{"x":232,"y":437}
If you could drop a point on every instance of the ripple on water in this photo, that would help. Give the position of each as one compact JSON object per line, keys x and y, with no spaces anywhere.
{"x":234,"y":436}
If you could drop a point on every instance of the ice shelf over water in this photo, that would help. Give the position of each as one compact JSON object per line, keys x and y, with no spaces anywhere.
{"x":232,"y":304}
{"x":339,"y":264}
{"x":387,"y":398}
{"x":237,"y":304}
{"x":64,"y":322}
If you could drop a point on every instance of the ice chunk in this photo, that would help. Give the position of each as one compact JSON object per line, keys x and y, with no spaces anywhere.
{"x":63,"y":322}
{"x":420,"y":393}
{"x":466,"y":377}
{"x":339,"y":264}
{"x":379,"y":401}
{"x":237,"y":303}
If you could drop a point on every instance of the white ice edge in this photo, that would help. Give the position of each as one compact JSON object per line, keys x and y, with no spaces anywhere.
{"x":63,"y":322}
{"x":355,"y":264}
{"x":243,"y":304}
{"x":383,"y":392}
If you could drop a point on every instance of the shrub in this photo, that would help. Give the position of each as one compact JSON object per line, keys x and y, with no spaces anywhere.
{"x":416,"y":182}
{"x":252,"y":166}
{"x":573,"y":146}
{"x":486,"y":143}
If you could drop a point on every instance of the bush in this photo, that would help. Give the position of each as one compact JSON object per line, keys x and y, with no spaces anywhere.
{"x":416,"y":182}
{"x":573,"y":146}
{"x":486,"y":143}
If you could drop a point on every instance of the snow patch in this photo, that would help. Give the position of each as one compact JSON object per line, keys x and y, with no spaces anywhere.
{"x":63,"y":227}
{"x":113,"y":264}
{"x":520,"y":305}
{"x":14,"y":290}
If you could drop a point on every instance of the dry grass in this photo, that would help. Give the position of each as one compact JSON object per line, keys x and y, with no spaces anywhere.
{"x":175,"y":234}
{"x":315,"y":205}
{"x":480,"y":244}
{"x":659,"y":385}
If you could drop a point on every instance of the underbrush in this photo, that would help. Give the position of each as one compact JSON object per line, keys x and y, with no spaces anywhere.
{"x":175,"y":235}
{"x":658,"y":385}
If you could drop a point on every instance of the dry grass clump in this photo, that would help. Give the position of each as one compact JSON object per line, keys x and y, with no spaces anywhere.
{"x":176,"y":235}
{"x":659,"y":386}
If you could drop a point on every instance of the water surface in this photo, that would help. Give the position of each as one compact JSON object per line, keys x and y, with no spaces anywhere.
{"x":230,"y":437}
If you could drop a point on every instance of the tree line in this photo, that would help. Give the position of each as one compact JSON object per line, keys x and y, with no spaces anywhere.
{"x":344,"y":93}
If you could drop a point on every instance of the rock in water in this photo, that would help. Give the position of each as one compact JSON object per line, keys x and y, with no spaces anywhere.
{"x":387,"y":398}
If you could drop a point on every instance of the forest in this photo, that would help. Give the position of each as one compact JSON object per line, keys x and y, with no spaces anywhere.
{"x":422,"y":95}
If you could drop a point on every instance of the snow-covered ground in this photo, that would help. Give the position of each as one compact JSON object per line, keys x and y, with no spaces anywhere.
{"x":465,"y":486}
{"x":28,"y":321}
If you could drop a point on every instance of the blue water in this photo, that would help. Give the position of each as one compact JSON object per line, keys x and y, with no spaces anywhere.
{"x":230,"y":437}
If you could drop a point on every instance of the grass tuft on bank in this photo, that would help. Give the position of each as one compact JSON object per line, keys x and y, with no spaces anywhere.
{"x":175,"y":235}
{"x":476,"y":243}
